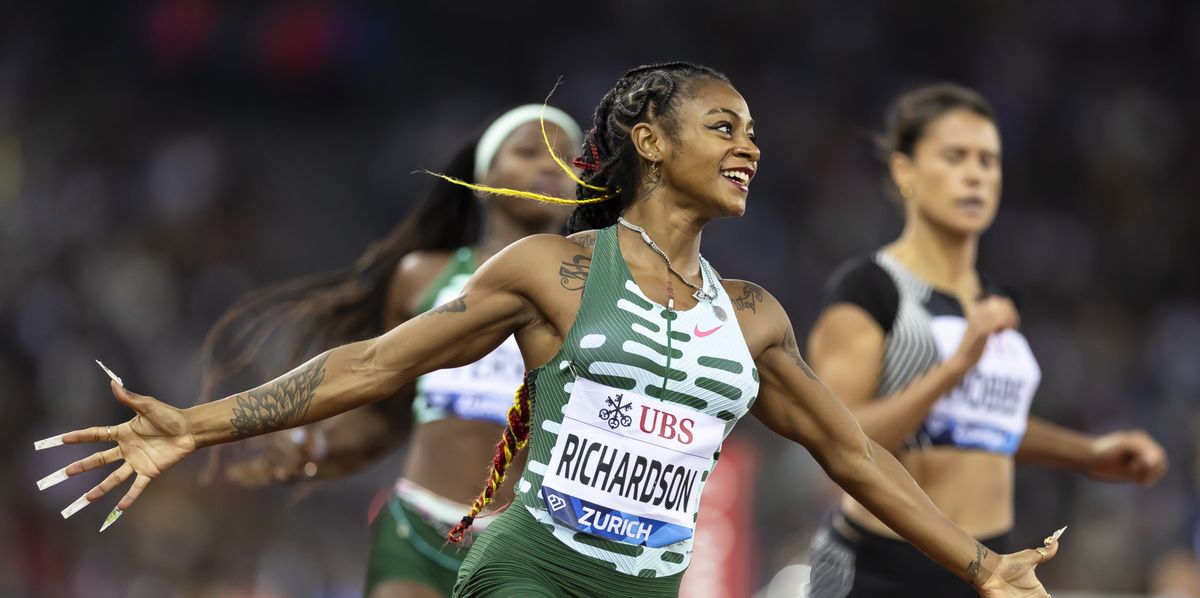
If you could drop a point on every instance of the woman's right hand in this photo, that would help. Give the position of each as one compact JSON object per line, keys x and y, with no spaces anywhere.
{"x":986,"y":317}
{"x":155,"y":439}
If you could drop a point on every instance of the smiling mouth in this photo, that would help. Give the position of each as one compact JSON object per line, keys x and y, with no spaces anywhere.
{"x":739,"y":177}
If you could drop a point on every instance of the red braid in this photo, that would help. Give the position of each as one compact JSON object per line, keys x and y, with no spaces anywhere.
{"x":512,"y":440}
{"x":590,"y":143}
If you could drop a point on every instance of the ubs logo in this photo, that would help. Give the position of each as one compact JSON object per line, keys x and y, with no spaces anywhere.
{"x":617,"y":412}
{"x":556,"y":502}
{"x":667,"y":426}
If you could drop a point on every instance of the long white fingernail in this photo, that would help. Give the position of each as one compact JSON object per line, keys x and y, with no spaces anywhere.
{"x":74,"y":507}
{"x":52,"y":479}
{"x":1059,"y":533}
{"x":112,"y":518}
{"x":48,"y":442}
{"x":110,"y":373}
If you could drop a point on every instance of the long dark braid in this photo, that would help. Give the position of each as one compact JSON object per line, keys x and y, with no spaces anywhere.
{"x":609,"y":160}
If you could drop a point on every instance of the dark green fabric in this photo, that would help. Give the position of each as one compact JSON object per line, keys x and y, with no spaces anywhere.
{"x":517,"y":556}
{"x":406,"y":548}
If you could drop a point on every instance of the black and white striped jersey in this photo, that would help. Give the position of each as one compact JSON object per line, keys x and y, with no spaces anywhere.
{"x":924,"y":326}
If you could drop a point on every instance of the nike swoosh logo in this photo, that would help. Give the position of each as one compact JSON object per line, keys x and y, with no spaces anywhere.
{"x":703,"y":333}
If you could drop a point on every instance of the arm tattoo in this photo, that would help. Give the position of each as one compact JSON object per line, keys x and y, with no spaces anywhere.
{"x":573,"y":274}
{"x":751,"y":297}
{"x":278,"y":404}
{"x":793,"y":350}
{"x":453,"y":306}
{"x":974,"y":567}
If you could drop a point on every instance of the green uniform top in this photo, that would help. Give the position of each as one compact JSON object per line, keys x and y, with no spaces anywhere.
{"x":620,"y":340}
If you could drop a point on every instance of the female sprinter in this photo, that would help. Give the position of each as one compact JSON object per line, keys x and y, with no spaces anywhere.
{"x":925,"y":351}
{"x":456,"y":414}
{"x":633,"y":381}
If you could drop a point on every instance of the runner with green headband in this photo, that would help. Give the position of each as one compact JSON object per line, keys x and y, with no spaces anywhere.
{"x":450,"y":416}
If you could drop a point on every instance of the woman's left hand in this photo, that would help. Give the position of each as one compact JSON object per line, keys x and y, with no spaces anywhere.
{"x":156,"y":438}
{"x":1127,"y":456}
{"x":1015,"y":577}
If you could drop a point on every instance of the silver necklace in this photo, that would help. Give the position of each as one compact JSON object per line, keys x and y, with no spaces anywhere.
{"x":706,"y":275}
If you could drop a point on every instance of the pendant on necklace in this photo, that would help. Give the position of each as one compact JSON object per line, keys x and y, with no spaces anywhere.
{"x":720,"y":313}
{"x":703,"y":297}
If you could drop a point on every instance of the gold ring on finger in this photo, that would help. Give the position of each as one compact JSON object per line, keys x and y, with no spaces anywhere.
{"x":109,"y":428}
{"x":1043,"y":553}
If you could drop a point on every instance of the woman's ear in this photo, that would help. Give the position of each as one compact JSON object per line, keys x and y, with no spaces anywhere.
{"x":649,"y":142}
{"x":900,"y":166}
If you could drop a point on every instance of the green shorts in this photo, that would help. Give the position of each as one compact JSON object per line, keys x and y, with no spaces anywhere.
{"x":517,"y":556}
{"x":406,"y":547}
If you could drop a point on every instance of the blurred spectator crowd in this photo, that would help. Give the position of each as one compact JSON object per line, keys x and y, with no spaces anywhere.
{"x":157,"y":160}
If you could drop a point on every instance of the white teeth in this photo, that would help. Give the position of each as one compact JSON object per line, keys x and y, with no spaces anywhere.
{"x":736,"y":175}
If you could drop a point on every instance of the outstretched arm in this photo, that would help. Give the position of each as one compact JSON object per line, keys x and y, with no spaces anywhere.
{"x":349,"y":442}
{"x":493,"y":306}
{"x":329,"y":449}
{"x":454,"y":334}
{"x":794,"y":403}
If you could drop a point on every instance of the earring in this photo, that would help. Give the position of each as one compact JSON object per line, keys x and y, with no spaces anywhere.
{"x":906,"y":192}
{"x":654,"y":168}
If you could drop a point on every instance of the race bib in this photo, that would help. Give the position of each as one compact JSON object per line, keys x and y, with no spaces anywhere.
{"x":989,"y":409}
{"x":629,"y":468}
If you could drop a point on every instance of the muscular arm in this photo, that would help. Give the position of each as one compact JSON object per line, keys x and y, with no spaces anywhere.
{"x":847,"y":348}
{"x":492,"y":307}
{"x":796,"y":405}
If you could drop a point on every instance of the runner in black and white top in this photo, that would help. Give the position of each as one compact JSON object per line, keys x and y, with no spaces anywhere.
{"x":927,"y":353}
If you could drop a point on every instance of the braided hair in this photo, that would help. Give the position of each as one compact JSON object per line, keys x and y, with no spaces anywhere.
{"x":512,"y":441}
{"x":609,"y":160}
{"x":611,"y":174}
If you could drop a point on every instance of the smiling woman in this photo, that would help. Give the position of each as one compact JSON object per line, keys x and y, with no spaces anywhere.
{"x":607,"y":505}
